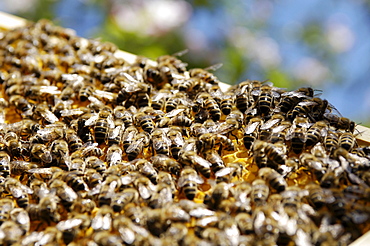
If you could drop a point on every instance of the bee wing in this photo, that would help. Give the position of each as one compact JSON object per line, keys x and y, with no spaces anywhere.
{"x":92,"y":120}
{"x":298,"y":94}
{"x":104,"y":94}
{"x":114,"y":132}
{"x":127,"y":235}
{"x":195,"y":178}
{"x":129,"y":136}
{"x":201,"y":212}
{"x":49,"y":116}
{"x":110,"y":121}
{"x":174,"y":112}
{"x":224,"y":171}
{"x":68,"y":224}
{"x":201,"y":161}
{"x":26,"y":189}
{"x":96,"y":101}
{"x":144,"y":191}
{"x":179,"y":140}
{"x":134,"y":145}
{"x":251,"y":127}
{"x":269,"y":124}
{"x":213,"y":67}
{"x":71,"y":112}
{"x":53,"y":90}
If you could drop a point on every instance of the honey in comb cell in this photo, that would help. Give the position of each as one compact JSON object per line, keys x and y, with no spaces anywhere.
{"x":59,"y":68}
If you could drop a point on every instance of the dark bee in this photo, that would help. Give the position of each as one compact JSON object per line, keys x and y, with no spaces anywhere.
{"x":226,"y":103}
{"x":161,"y":143}
{"x":145,"y":122}
{"x":14,"y":145}
{"x":213,"y":108}
{"x":340,"y":122}
{"x":191,"y":86}
{"x":316,"y":133}
{"x":251,"y":132}
{"x":189,"y":181}
{"x":115,"y":135}
{"x":298,"y":133}
{"x":73,"y":140}
{"x":95,"y":163}
{"x":167,"y":164}
{"x":101,"y":123}
{"x":85,"y":92}
{"x":276,"y":154}
{"x":316,"y":195}
{"x":331,"y":141}
{"x":129,"y":136}
{"x":177,"y":141}
{"x":22,"y":105}
{"x":141,"y":140}
{"x":193,"y":159}
{"x":40,"y":152}
{"x":113,"y":155}
{"x":266,"y":98}
{"x":347,"y":141}
{"x":260,"y":192}
{"x":215,"y":159}
{"x":290,"y":99}
{"x":275,"y":180}
{"x":18,"y":191}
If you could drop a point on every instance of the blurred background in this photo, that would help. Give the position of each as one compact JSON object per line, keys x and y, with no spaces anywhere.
{"x":322,"y":44}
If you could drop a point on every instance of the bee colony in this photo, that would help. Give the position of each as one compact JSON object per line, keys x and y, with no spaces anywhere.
{"x":99,"y":151}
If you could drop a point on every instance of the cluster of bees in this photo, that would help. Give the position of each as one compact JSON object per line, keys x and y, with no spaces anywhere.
{"x":97,"y":151}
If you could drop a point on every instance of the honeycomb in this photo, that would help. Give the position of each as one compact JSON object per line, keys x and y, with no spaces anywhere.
{"x":99,"y":151}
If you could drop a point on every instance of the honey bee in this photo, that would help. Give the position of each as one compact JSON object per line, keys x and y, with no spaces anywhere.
{"x":107,"y":190}
{"x":41,"y":152}
{"x":191,"y":86}
{"x":290,"y":99}
{"x":13,"y":144}
{"x":266,"y":152}
{"x":66,"y":194}
{"x":177,"y":141}
{"x":103,"y":219}
{"x":347,"y":141}
{"x":121,"y":199}
{"x":297,"y":134}
{"x":73,"y":140}
{"x":6,"y":206}
{"x":205,"y":75}
{"x":146,"y":168}
{"x":340,"y":122}
{"x":145,"y":122}
{"x":331,"y":141}
{"x":226,"y":104}
{"x":213,"y":109}
{"x":4,"y":164}
{"x":215,"y":159}
{"x":167,"y":164}
{"x":220,"y":192}
{"x":260,"y":192}
{"x":193,"y":159}
{"x":161,"y":143}
{"x":19,"y":191}
{"x":316,"y":133}
{"x":73,"y":179}
{"x":43,"y":112}
{"x":251,"y":132}
{"x":266,"y":98}
{"x":95,"y":163}
{"x":141,"y":140}
{"x":275,"y":180}
{"x":267,"y":127}
{"x":115,"y":135}
{"x":101,"y":122}
{"x":129,"y":136}
{"x":189,"y":181}
{"x":113,"y":155}
{"x":22,"y":105}
{"x":292,"y":197}
{"x":316,"y":195}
